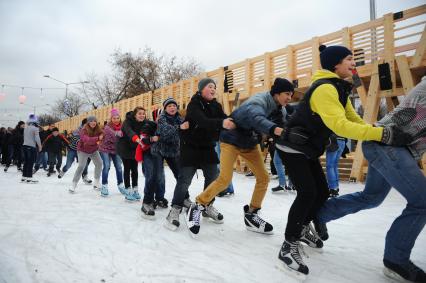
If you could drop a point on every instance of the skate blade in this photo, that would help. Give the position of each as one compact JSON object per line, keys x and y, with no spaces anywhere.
{"x":71,"y":191}
{"x":104,"y":196}
{"x":393,"y":275}
{"x":291,"y":272}
{"x":169,"y":226}
{"x":318,"y":250}
{"x":251,"y":229}
{"x":148,"y":217}
{"x":213,"y":220}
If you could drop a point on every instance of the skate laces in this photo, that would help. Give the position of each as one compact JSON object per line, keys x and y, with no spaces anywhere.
{"x":297,"y":251}
{"x":174,"y":212}
{"x":196,"y":213}
{"x":310,"y":234}
{"x":257,"y":219}
{"x":212,"y":211}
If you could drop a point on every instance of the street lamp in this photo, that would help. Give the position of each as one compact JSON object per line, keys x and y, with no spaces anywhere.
{"x":66,"y":84}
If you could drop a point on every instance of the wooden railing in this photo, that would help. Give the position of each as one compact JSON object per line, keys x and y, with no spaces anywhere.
{"x":381,"y":39}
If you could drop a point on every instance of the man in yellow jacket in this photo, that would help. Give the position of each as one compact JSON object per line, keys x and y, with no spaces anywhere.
{"x":325,"y":108}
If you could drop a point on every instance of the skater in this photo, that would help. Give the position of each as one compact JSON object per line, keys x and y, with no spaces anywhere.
{"x":42,"y":156}
{"x":325,"y":108}
{"x":107,"y":149}
{"x":87,"y":147}
{"x":14,"y":149}
{"x":332,"y":155}
{"x":167,"y":147}
{"x":205,"y":118}
{"x":31,"y":145}
{"x":393,"y":167}
{"x":138,"y":131}
{"x":53,"y":145}
{"x":251,"y":119}
{"x":72,"y":154}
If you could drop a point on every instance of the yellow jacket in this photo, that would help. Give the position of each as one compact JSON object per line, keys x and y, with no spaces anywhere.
{"x":344,"y":122}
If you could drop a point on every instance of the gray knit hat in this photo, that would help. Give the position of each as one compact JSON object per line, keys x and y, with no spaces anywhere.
{"x":204,"y":82}
{"x":168,"y":101}
{"x":91,"y":119}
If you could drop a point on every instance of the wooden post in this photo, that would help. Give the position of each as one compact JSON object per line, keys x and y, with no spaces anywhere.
{"x":219,"y":84}
{"x":420,"y":51}
{"x":267,"y":80}
{"x":315,"y":55}
{"x":248,"y":77}
{"x":291,"y":68}
{"x":389,"y":55}
{"x":181,"y":94}
{"x":346,"y":38}
{"x":405,"y":73}
{"x":370,"y":116}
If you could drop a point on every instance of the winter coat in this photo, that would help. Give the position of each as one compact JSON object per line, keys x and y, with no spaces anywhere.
{"x":17,"y":137}
{"x":168,"y":130}
{"x":111,"y":136}
{"x":31,"y":135}
{"x":205,"y":123}
{"x":43,"y":135}
{"x":88,"y":143}
{"x":252,"y":118}
{"x":54,"y":143}
{"x":132,"y":129}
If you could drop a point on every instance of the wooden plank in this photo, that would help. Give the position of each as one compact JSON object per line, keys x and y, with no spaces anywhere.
{"x":219,"y":84}
{"x":291,"y":69}
{"x":405,"y":73}
{"x":267,"y":79}
{"x":248,"y":77}
{"x":420,"y":51}
{"x":370,"y":115}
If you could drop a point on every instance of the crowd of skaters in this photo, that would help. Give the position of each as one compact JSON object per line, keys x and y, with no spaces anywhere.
{"x":206,"y":138}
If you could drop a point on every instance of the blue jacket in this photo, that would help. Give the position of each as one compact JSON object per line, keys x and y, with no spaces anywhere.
{"x":168,"y":130}
{"x":252,"y":119}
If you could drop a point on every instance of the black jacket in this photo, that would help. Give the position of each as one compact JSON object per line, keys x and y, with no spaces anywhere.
{"x":205,"y":123}
{"x":17,"y":137}
{"x":54,"y":144}
{"x":305,"y":131}
{"x":126,"y":147}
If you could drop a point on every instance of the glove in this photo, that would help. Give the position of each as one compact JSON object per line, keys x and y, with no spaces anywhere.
{"x":395,"y":137}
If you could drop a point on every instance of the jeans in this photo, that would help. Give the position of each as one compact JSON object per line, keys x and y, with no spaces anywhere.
{"x":186,"y":174}
{"x":41,"y":160}
{"x":388,"y":167}
{"x":312,"y":191}
{"x":30,"y":154}
{"x":106,"y":159}
{"x":55,"y":158}
{"x":279,"y":167}
{"x":83,"y":157}
{"x":332,"y":164}
{"x":228,"y":155}
{"x":230,"y":188}
{"x":173,"y":163}
{"x":71,"y":155}
{"x":154,"y":174}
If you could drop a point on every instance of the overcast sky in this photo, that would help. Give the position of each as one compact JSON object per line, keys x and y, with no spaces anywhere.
{"x":68,"y":39}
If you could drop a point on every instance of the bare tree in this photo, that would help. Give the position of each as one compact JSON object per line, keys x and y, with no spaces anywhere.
{"x":70,"y":106}
{"x":133,"y":74}
{"x":47,"y":119}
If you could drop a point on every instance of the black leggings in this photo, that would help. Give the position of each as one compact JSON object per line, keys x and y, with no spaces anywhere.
{"x":130,"y":167}
{"x":312,"y":191}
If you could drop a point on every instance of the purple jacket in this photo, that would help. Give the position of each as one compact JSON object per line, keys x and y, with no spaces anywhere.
{"x":110,"y":139}
{"x":87,"y":144}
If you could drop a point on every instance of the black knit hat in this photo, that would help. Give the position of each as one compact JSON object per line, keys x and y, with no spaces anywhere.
{"x":332,"y":55}
{"x":281,"y":85}
{"x":169,"y":100}
{"x":202,"y":83}
{"x":55,"y":129}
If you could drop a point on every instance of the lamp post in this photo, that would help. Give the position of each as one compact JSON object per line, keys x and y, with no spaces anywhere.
{"x":66,"y":84}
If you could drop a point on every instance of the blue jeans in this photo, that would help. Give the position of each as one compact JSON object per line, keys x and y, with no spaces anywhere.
{"x":106,"y":159}
{"x":230,"y":188}
{"x":279,"y":166}
{"x":41,"y":160}
{"x":388,"y":167}
{"x":71,"y":155}
{"x":154,"y":177}
{"x":332,"y":164}
{"x":30,"y":154}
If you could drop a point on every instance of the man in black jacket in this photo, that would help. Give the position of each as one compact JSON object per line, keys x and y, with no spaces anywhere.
{"x":206,"y":119}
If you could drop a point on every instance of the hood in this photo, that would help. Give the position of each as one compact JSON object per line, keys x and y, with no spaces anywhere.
{"x":324,"y":74}
{"x":129,"y":115}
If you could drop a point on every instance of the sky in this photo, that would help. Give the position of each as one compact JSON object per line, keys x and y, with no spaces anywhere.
{"x":69,"y":39}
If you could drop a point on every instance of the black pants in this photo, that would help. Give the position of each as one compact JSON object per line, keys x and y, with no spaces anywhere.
{"x":130,"y":167}
{"x":54,"y":158}
{"x":30,"y":154}
{"x":186,"y":174}
{"x":312,"y":191}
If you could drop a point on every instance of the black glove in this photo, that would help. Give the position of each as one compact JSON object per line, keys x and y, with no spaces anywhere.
{"x":395,"y":137}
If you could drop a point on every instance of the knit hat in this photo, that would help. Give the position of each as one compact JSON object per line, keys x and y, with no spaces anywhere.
{"x":91,"y":119}
{"x":281,"y":85}
{"x":332,"y":55}
{"x":32,"y":119}
{"x":204,"y":82}
{"x":168,"y":101}
{"x":114,"y":112}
